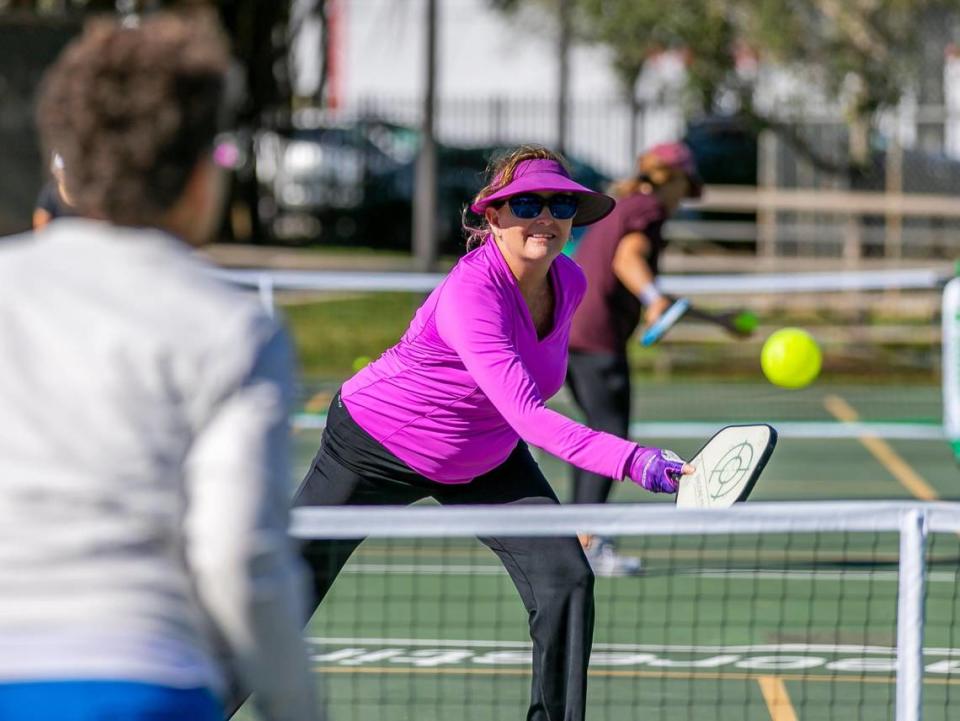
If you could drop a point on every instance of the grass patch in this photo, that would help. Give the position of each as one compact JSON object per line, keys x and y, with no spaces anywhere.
{"x":331,"y":334}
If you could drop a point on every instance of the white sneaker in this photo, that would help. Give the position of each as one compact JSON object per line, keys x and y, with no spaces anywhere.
{"x":605,"y":561}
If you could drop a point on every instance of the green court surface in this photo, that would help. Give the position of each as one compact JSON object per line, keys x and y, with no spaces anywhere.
{"x":760,"y":626}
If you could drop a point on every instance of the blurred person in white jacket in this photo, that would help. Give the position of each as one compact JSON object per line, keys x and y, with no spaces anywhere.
{"x":145,"y":566}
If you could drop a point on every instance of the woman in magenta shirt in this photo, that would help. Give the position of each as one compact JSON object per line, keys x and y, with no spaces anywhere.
{"x":449,"y":410}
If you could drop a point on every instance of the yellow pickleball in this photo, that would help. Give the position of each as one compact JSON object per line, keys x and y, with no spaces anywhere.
{"x":360,"y":362}
{"x":790,"y":358}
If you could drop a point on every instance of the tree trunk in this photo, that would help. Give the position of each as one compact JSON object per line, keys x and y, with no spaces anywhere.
{"x":859,"y":149}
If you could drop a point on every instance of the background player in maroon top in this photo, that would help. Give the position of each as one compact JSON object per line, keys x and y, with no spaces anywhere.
{"x":620,"y":256}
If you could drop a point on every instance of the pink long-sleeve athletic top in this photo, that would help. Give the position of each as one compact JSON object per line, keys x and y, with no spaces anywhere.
{"x":470,"y":378}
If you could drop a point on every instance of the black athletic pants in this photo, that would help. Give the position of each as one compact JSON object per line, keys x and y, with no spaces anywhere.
{"x":600,"y":384}
{"x":551,"y":574}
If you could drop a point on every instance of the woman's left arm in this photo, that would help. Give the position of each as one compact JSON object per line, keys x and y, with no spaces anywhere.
{"x":631,"y":266}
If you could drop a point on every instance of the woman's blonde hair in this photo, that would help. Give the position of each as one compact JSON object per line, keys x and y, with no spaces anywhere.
{"x":500,"y":173}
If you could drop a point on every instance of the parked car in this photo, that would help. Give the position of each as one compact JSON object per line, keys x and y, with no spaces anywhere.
{"x":725,"y":148}
{"x":355,"y":184}
{"x":313,"y":181}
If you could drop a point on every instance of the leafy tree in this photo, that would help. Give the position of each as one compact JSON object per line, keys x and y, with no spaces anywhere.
{"x":636,"y":30}
{"x":862,"y":55}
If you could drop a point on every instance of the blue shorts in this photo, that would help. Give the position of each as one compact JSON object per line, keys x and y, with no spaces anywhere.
{"x":105,"y":701}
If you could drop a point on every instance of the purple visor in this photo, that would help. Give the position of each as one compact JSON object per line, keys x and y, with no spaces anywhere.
{"x":549,"y":176}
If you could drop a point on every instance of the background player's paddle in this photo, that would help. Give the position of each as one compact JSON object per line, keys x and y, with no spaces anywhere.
{"x":739,"y":323}
{"x":665,"y":322}
{"x":727,"y":467}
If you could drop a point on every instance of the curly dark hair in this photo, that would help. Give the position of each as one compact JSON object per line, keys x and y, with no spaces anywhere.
{"x":131,"y":109}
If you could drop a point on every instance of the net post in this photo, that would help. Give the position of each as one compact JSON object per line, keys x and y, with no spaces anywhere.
{"x":951,"y":364}
{"x":910,"y":594}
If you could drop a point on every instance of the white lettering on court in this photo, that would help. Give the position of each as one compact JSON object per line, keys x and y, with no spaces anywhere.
{"x":433,"y":657}
{"x":337,"y":655}
{"x":711,"y":662}
{"x":620,"y":659}
{"x":372,"y":657}
{"x":863,"y":664}
{"x":505,"y":658}
{"x":780,"y":663}
{"x":947,"y":666}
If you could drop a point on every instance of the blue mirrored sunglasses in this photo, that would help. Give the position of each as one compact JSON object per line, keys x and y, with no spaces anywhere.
{"x":528,"y":206}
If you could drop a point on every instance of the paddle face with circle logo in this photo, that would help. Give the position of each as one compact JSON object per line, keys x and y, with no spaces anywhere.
{"x":727,"y":467}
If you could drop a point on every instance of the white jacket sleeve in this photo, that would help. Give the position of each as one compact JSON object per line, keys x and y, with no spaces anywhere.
{"x":248,"y":577}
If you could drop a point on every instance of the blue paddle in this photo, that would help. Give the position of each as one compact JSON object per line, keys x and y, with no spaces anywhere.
{"x":665,"y":322}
